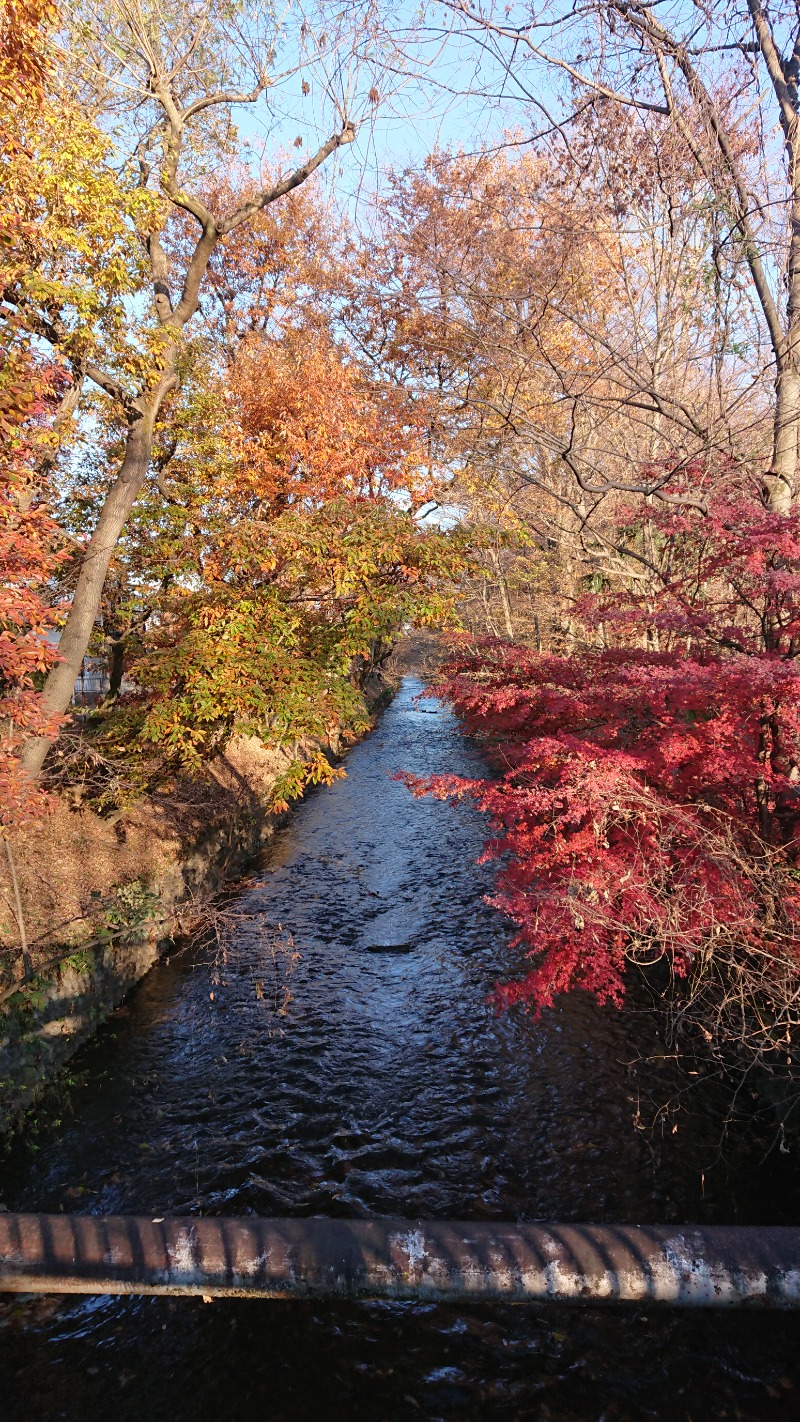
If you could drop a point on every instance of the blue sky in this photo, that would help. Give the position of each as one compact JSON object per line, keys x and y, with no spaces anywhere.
{"x":435,"y":103}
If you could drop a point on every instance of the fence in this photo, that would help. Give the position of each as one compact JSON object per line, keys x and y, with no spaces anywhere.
{"x":441,"y":1260}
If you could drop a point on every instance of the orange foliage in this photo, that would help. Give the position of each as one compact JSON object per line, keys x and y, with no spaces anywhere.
{"x":312,"y":427}
{"x":24,"y":25}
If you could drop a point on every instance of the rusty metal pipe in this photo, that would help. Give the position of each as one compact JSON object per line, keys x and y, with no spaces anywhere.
{"x":441,"y":1260}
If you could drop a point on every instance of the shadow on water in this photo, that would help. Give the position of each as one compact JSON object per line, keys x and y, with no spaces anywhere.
{"x":339,"y":1058}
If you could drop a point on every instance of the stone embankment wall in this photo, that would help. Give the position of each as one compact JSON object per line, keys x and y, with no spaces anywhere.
{"x":105,"y":897}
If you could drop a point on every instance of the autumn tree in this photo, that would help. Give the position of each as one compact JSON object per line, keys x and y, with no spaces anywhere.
{"x":167,"y":87}
{"x":272,"y":560}
{"x":29,"y":388}
{"x":558,"y":333}
{"x":275,"y":274}
{"x":646,"y":805}
{"x":28,"y":536}
{"x":713,"y":84}
{"x":284,"y":269}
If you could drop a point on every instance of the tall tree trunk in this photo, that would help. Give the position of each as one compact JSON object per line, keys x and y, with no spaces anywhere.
{"x":74,"y":642}
{"x":780,"y":484}
{"x":504,"y":597}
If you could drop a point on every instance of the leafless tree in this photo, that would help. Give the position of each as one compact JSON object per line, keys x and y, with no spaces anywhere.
{"x":720,"y":78}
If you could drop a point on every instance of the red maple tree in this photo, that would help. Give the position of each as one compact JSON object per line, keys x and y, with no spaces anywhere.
{"x":647,"y":797}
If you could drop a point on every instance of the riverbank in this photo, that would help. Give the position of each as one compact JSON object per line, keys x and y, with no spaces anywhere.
{"x":104,"y":898}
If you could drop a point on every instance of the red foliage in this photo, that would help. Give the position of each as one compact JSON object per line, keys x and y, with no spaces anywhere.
{"x":646,"y":801}
{"x":27,"y":533}
{"x":728,"y":576}
{"x":28,"y":555}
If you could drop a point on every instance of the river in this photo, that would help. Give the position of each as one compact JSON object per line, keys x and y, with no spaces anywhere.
{"x":336,"y":1055}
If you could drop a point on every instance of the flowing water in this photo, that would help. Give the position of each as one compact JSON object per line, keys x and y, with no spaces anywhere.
{"x":337,"y":1056}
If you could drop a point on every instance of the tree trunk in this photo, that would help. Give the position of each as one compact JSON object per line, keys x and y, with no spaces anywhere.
{"x":504,"y":598}
{"x":117,"y":670}
{"x":74,"y":642}
{"x":779,"y":483}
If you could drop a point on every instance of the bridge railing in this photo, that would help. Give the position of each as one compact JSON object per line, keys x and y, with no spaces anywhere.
{"x":442,"y":1260}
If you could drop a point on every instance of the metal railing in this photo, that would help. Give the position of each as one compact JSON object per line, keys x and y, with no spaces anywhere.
{"x":442,"y":1260}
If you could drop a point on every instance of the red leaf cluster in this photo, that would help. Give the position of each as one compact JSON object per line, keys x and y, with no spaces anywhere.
{"x":28,"y":556}
{"x":648,"y":802}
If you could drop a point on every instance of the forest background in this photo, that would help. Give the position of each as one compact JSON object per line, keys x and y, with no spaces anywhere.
{"x":267,"y":396}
